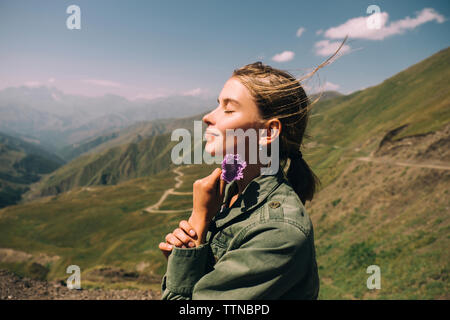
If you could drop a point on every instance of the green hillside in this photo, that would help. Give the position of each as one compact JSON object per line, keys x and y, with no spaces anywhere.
{"x":355,"y":124}
{"x":385,"y":213}
{"x":94,"y":227}
{"x":117,"y":164}
{"x":131,"y":134}
{"x":21,"y":163}
{"x":380,"y":203}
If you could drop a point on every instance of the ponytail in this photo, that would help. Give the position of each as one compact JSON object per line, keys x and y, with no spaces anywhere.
{"x":301,"y":177}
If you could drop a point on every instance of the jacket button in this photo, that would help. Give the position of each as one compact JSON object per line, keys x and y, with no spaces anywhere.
{"x":274,"y":204}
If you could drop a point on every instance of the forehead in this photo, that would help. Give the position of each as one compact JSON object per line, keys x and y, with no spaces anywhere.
{"x":234,"y":89}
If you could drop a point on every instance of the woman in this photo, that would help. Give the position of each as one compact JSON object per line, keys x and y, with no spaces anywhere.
{"x":251,"y":238}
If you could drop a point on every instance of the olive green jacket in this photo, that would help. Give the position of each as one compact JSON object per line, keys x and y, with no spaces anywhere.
{"x":260,"y":248}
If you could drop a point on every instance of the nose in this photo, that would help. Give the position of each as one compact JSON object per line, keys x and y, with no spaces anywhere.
{"x":207,"y":118}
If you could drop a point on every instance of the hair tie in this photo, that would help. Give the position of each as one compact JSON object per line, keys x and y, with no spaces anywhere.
{"x":297,"y":155}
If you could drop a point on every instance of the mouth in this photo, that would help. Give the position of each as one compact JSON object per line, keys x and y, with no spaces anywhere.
{"x":208,"y":132}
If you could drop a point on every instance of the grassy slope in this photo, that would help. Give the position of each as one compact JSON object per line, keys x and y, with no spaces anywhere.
{"x":137,"y":151}
{"x":394,"y":217}
{"x":115,"y":165}
{"x":130,"y":134}
{"x":21,"y":163}
{"x":95,"y":226}
{"x":355,"y":124}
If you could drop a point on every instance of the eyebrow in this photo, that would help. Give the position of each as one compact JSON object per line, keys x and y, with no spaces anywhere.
{"x":228,"y":100}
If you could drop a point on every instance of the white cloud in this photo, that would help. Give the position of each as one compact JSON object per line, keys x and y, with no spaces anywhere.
{"x":284,"y":56}
{"x":319,"y":32}
{"x":51,"y":80}
{"x":162,"y":93}
{"x":149,"y":96}
{"x":329,"y":86}
{"x":359,"y":28}
{"x":300,"y":32}
{"x":103,"y":83}
{"x":327,"y":47}
{"x":55,"y":97}
{"x":194,"y":92}
{"x":33,"y":84}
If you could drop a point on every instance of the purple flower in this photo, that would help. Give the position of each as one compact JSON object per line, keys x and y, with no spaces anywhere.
{"x":232,"y":167}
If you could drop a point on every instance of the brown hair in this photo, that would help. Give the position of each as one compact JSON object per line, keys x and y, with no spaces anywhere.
{"x":278,"y":94}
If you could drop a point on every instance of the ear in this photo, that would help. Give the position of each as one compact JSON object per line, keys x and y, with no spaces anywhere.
{"x":270,"y":132}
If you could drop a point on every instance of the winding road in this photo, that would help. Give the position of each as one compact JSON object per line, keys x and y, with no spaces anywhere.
{"x":405,"y":163}
{"x":155,"y":208}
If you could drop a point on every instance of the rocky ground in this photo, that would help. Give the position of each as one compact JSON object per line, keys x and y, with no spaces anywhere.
{"x":13,"y":287}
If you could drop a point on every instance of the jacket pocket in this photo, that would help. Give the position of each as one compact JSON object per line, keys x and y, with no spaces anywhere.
{"x":218,"y":249}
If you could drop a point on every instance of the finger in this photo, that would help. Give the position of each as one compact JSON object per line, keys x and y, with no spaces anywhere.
{"x":165,"y":248}
{"x":171,"y":239}
{"x":214,"y":177}
{"x":222,"y":187}
{"x":182,"y":236}
{"x":215,"y":181}
{"x":188,"y":228}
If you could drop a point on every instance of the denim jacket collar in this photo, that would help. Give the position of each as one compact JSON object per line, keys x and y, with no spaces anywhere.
{"x":254,"y":193}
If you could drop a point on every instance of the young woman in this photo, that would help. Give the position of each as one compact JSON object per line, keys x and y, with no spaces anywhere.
{"x":251,"y":238}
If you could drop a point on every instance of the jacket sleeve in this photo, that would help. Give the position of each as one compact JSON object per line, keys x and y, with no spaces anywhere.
{"x":267,"y":261}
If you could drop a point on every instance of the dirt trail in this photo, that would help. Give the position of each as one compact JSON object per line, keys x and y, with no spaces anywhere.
{"x":155,"y":208}
{"x":13,"y":287}
{"x":405,"y":163}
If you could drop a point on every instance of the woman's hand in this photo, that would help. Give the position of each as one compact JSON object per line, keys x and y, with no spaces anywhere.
{"x":208,"y":194}
{"x":182,"y":237}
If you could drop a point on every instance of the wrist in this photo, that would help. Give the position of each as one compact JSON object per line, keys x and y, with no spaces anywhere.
{"x":200,"y":226}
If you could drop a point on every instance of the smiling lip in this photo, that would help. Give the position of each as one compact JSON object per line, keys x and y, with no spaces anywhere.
{"x":211,"y":133}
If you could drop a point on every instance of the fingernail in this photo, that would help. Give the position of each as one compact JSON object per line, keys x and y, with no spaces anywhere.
{"x":183,"y":246}
{"x":192,"y":232}
{"x":169,"y":246}
{"x":191,"y":244}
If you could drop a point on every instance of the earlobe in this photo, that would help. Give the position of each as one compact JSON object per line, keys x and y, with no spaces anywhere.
{"x":274,"y":129}
{"x":269,"y":134}
{"x":273,"y":133}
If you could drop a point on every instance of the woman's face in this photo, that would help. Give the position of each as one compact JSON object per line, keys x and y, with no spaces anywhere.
{"x":236,"y":110}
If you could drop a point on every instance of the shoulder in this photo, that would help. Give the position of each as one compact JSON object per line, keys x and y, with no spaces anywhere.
{"x":284,"y":205}
{"x":282,"y":219}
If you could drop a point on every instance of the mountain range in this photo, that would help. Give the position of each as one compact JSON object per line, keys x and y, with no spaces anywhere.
{"x":47,"y":116}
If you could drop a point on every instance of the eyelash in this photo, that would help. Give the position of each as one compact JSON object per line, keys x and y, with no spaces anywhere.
{"x":228,"y":111}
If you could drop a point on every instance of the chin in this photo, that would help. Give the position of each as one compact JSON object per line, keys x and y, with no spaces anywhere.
{"x":213,"y":149}
{"x":209,"y":148}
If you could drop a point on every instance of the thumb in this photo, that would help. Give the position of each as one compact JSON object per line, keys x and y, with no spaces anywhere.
{"x":218,"y":182}
{"x":222,"y":188}
{"x":214,"y":176}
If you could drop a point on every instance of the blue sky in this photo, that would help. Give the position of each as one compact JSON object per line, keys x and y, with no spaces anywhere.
{"x":146,"y":49}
